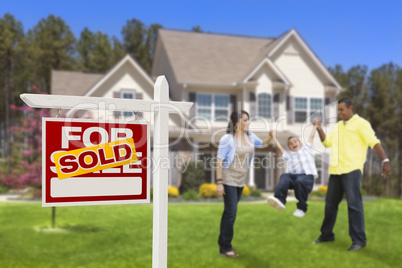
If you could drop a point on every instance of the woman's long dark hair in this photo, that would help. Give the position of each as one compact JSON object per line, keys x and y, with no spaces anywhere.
{"x":234,"y":118}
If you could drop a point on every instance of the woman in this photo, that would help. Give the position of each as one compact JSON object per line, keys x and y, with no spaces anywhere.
{"x":235,"y":152}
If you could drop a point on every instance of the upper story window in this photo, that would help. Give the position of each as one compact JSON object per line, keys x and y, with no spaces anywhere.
{"x":127,"y":95}
{"x":264,"y":105}
{"x":213,"y":106}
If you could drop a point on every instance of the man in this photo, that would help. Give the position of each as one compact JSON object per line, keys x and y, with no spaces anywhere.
{"x":349,"y":141}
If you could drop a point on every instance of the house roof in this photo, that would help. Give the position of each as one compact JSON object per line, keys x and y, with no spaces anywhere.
{"x":219,"y":59}
{"x":72,"y":83}
{"x":105,"y":77}
{"x":216,"y":58}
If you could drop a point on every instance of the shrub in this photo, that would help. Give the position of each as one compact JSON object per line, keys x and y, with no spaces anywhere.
{"x":323,"y":189}
{"x":255,"y":192}
{"x":190,"y":195}
{"x":192,"y":177}
{"x":363,"y":192}
{"x":246,"y":191}
{"x":173,"y":191}
{"x":3,"y":190}
{"x":208,"y":190}
{"x":317,"y":193}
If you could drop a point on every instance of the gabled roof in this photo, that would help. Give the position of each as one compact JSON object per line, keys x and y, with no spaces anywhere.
{"x":72,"y":83}
{"x":308,"y":50}
{"x":215,"y":58}
{"x":274,"y":68}
{"x":126,"y":59}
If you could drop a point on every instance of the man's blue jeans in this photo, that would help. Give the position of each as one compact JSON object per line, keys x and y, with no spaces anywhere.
{"x":231,"y":198}
{"x":302,"y":185}
{"x":338,"y":185}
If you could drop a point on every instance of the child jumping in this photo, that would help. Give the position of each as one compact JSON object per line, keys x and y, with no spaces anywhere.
{"x":302,"y":172}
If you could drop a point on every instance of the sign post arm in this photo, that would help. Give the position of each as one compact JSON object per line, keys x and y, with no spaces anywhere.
{"x":161,"y":151}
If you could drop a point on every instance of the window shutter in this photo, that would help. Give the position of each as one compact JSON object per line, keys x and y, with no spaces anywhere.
{"x":276,"y":105}
{"x":139,"y":96}
{"x":325,"y":120}
{"x":290,"y":109}
{"x":116,"y":95}
{"x":193,"y":98}
{"x":233,"y":103}
{"x":253,"y":104}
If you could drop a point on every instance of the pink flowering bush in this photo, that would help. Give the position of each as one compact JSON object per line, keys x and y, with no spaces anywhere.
{"x":27,"y":148}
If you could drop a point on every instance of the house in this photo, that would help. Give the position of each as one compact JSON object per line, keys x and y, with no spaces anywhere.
{"x":280,"y":82}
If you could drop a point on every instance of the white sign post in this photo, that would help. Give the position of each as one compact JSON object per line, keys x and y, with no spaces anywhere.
{"x":161,"y":106}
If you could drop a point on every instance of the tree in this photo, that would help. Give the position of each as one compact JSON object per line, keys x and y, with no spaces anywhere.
{"x":139,"y":41}
{"x":101,"y":54}
{"x":12,"y":73}
{"x":354,"y":83}
{"x":84,"y":47}
{"x":383,"y":109}
{"x":133,"y":39}
{"x":117,"y":51}
{"x":52,"y":46}
{"x":197,"y":29}
{"x":95,"y":51}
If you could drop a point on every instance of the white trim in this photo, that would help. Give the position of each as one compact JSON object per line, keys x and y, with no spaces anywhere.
{"x":274,"y":68}
{"x":310,"y":53}
{"x":127,"y":58}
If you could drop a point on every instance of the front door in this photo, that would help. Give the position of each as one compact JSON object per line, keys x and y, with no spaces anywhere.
{"x":263,"y":172}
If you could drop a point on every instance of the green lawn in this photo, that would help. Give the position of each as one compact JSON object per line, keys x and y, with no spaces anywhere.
{"x":121,"y":236}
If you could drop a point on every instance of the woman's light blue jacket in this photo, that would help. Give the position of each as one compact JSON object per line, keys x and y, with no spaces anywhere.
{"x":227,"y":148}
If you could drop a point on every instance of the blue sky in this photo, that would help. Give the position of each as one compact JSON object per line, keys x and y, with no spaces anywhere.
{"x":345,"y":32}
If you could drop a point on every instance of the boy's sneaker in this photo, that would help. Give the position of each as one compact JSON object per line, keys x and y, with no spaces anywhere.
{"x":274,"y":202}
{"x":299,"y":213}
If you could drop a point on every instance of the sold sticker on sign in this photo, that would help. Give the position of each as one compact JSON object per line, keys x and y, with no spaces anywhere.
{"x":90,"y":159}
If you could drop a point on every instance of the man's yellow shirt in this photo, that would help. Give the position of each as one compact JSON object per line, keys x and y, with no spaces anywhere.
{"x":349,"y":142}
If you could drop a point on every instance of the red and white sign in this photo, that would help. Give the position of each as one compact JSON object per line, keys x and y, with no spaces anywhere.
{"x":88,"y":162}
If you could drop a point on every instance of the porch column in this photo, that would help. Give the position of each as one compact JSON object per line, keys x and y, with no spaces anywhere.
{"x":283,"y":112}
{"x":245,"y":104}
{"x":251,"y":176}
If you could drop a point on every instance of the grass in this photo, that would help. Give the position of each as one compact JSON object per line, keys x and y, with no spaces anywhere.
{"x":121,"y":236}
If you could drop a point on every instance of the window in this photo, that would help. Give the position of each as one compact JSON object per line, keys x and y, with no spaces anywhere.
{"x":264,"y":105}
{"x":221,"y":107}
{"x":305,"y":107}
{"x":300,"y":110}
{"x":318,"y":165}
{"x":127,"y":95}
{"x":204,"y":105}
{"x":316,"y":107}
{"x":213,"y":105}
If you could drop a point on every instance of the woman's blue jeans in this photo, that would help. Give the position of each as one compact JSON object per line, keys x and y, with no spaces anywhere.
{"x":231,"y":198}
{"x":338,"y":185}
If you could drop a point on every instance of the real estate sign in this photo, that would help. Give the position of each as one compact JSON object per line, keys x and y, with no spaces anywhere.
{"x":87,"y":162}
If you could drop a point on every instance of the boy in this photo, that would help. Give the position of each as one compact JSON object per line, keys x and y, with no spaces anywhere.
{"x":302,"y":172}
